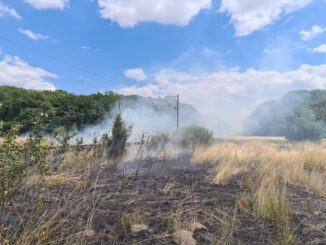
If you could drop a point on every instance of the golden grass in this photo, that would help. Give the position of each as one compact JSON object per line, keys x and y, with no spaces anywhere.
{"x":297,"y":163}
{"x":265,"y":168}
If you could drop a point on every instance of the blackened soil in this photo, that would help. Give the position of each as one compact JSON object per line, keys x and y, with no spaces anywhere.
{"x":101,"y":210}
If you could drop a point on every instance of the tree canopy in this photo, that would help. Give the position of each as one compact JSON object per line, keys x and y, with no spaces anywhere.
{"x":63,"y":109}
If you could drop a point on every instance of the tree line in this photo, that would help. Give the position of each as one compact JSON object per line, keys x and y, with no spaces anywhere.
{"x":62,"y":109}
{"x":299,"y":115}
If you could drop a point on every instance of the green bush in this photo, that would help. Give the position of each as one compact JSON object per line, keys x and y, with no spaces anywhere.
{"x":63,"y":135}
{"x":119,"y":136}
{"x":12,"y":165}
{"x":17,"y":158}
{"x":193,"y":135}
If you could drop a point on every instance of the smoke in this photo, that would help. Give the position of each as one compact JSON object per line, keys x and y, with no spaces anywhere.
{"x":227,"y":97}
{"x":146,"y":116}
{"x":292,"y":116}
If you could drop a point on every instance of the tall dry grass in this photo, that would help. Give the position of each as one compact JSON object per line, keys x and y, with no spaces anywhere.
{"x":297,"y":163}
{"x":265,"y":169}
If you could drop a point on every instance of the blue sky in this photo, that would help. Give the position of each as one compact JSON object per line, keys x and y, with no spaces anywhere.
{"x":231,"y":52}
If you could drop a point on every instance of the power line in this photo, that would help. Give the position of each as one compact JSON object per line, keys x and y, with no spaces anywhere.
{"x":174,"y":107}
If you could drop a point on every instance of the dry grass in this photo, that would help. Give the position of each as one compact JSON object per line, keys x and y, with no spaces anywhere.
{"x":56,"y":179}
{"x":265,"y":168}
{"x":297,"y":163}
{"x":87,"y":201}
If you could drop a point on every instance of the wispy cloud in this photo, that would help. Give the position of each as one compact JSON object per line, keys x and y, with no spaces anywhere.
{"x":137,"y":74}
{"x":85,"y":47}
{"x":312,"y":33}
{"x":32,"y":35}
{"x":320,"y":49}
{"x":6,"y":11}
{"x":48,"y":4}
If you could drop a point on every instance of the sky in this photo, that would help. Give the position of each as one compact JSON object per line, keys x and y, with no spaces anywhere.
{"x":224,"y":57}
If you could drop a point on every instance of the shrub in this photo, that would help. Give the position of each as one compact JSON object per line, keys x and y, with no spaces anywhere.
{"x":119,"y":136}
{"x":157,"y":142}
{"x":17,"y":158}
{"x":193,"y":135}
{"x":12,"y":165}
{"x":79,"y":145}
{"x":36,"y":149}
{"x":63,"y":135}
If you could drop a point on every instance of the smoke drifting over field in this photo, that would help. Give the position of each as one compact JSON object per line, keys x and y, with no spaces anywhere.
{"x":146,"y":116}
{"x":228,"y":96}
{"x":292,"y":116}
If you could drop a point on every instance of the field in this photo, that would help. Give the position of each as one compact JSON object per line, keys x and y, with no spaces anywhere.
{"x":233,"y":191}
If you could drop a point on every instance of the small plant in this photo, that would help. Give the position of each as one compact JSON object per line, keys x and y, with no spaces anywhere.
{"x":79,"y":145}
{"x":63,"y":135}
{"x":129,"y":220}
{"x":157,"y":142}
{"x":101,"y":147}
{"x":171,"y":222}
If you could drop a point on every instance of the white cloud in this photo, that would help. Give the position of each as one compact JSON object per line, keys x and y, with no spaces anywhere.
{"x":128,"y":13}
{"x":48,"y":4}
{"x":137,"y":74}
{"x":320,"y":49}
{"x":313,"y":32}
{"x":6,"y":11}
{"x":229,"y":95}
{"x":16,"y":72}
{"x":249,"y":16}
{"x":32,"y":35}
{"x":85,"y":47}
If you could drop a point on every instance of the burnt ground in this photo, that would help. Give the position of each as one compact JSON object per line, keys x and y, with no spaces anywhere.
{"x":165,"y":195}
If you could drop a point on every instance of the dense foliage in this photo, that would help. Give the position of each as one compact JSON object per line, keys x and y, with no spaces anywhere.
{"x":63,"y":109}
{"x":17,"y":158}
{"x":297,"y":116}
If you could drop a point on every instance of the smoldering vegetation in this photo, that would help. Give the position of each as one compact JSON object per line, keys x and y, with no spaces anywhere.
{"x":295,"y":116}
{"x":146,"y":116}
{"x":182,"y":187}
{"x":136,"y":179}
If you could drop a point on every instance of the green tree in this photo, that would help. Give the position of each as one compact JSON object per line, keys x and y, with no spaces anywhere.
{"x":63,"y":109}
{"x":302,"y":125}
{"x":119,"y":136}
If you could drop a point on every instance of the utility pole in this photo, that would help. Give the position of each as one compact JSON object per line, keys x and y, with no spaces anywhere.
{"x":178,"y":110}
{"x":119,"y":103}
